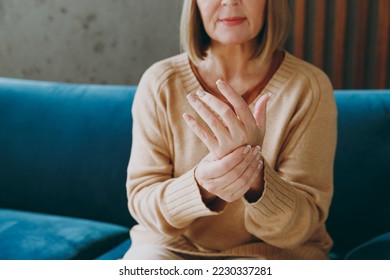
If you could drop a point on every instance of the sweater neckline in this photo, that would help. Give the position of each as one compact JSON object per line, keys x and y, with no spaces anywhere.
{"x":255,"y":91}
{"x":274,"y":85}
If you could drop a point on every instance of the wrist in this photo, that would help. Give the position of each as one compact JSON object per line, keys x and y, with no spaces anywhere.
{"x":212,"y":201}
{"x":207,"y":197}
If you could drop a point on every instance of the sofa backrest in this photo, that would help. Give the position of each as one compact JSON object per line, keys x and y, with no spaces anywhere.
{"x":361,"y":205}
{"x":64,"y":148}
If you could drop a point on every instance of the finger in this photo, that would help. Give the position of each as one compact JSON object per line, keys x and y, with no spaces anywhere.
{"x":207,"y":138}
{"x":240,"y":107}
{"x":254,"y":178}
{"x":260,"y":111}
{"x":244,"y":178}
{"x":257,"y":170}
{"x":240,"y":191}
{"x":211,"y":119}
{"x":242,"y":184}
{"x":224,"y":111}
{"x":237,"y":171}
{"x":218,"y":168}
{"x":256,"y":186}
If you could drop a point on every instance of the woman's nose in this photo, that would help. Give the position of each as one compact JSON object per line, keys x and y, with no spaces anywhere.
{"x":230,"y":2}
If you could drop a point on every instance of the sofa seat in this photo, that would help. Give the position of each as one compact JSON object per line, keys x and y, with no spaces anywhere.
{"x":116,"y":253}
{"x":29,"y":236}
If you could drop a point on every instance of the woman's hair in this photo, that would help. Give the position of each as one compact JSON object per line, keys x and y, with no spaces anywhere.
{"x":195,"y":40}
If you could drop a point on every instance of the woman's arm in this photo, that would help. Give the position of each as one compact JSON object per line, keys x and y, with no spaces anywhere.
{"x":156,"y":199}
{"x":299,"y":187}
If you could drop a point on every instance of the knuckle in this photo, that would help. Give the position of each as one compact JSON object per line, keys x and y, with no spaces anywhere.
{"x":227,"y":113}
{"x":255,"y":163}
{"x":215,"y":121}
{"x":200,"y":108}
{"x":242,"y":106}
{"x":204,"y":135}
{"x":193,"y":125}
{"x":248,"y":159}
{"x":242,"y":137}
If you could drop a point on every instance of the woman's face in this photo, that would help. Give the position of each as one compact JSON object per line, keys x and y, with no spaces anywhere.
{"x":232,"y":22}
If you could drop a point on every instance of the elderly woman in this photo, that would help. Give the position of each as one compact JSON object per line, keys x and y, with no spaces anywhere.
{"x":233,"y":142}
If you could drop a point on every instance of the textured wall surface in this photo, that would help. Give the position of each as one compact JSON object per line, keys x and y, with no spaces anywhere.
{"x":86,"y":41}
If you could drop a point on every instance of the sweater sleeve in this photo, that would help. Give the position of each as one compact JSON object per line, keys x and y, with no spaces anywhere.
{"x":298,"y":189}
{"x":156,"y":200}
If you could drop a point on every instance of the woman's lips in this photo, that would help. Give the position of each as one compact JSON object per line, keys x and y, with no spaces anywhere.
{"x":232,"y":21}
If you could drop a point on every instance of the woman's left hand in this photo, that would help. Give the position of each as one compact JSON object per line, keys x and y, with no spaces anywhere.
{"x":229,"y":129}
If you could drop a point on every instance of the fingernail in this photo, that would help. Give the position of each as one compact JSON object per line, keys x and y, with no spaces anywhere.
{"x":246,"y":149}
{"x":269,"y":94}
{"x":221,"y":83}
{"x":256,"y":151}
{"x":200,"y":93}
{"x":260,"y":166}
{"x":191,"y":98}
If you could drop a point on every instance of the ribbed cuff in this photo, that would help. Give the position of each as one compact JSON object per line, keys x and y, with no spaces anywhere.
{"x":277,"y":197}
{"x":183,"y":201}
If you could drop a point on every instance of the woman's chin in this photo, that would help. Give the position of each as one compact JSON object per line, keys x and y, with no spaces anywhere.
{"x":233,"y":41}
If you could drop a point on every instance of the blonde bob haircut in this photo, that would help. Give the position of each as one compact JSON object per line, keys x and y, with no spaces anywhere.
{"x":195,"y":40}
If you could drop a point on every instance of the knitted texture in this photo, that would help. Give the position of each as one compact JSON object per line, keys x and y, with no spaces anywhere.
{"x":287,"y":222}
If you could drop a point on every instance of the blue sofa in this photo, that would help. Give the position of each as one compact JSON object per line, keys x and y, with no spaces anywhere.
{"x":64,"y":150}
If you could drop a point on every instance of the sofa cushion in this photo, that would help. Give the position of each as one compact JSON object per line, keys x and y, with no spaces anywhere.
{"x":377,"y":248}
{"x":32,"y":236}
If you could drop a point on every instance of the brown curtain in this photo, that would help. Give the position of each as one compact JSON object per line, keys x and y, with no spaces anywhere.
{"x":348,"y":39}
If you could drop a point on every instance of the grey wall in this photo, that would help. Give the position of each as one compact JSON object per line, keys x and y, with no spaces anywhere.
{"x":86,"y":41}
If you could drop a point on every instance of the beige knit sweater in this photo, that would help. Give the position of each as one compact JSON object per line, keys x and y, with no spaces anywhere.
{"x":287,"y":222}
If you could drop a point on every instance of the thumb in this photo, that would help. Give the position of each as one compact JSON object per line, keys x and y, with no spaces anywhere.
{"x":260,"y":111}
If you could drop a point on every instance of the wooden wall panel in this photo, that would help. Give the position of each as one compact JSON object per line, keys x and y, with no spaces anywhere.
{"x":319,"y":33}
{"x":339,"y":31}
{"x":299,"y":27}
{"x":348,"y":39}
{"x":382,"y":51}
{"x":361,"y":43}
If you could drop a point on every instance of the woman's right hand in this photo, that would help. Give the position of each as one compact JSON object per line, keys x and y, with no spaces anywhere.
{"x":232,"y":176}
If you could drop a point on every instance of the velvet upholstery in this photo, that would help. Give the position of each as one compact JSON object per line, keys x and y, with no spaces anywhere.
{"x":64,"y":150}
{"x":377,"y":248}
{"x":34,"y":236}
{"x":360,"y":209}
{"x":116,"y":252}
